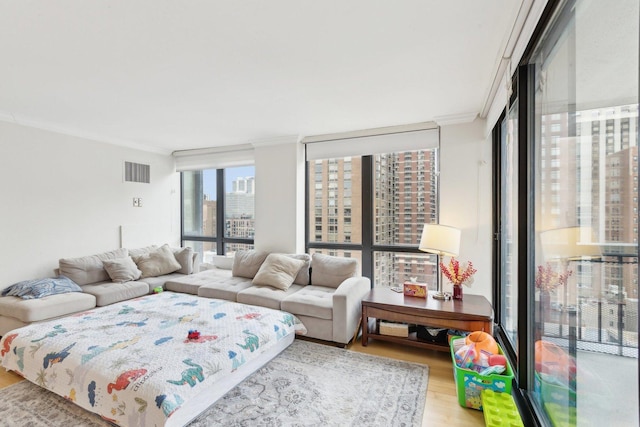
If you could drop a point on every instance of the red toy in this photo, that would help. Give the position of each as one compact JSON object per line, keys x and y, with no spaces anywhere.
{"x":193,"y":334}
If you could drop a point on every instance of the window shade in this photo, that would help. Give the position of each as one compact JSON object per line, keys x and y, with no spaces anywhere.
{"x":214,"y":158}
{"x":346,"y":146}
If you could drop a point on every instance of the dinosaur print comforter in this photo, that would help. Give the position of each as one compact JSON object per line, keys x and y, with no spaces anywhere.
{"x":133,"y":363}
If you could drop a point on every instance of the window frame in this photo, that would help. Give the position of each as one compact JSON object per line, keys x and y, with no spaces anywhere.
{"x":219,"y":239}
{"x":523,"y":360}
{"x":367,"y":247}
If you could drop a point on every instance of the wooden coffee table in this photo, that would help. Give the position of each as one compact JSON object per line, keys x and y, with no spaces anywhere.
{"x":473,"y":313}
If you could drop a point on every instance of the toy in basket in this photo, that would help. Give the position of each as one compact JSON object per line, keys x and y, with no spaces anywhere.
{"x":477,"y":369}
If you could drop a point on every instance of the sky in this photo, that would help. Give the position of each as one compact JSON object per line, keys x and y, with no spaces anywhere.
{"x":231,"y":174}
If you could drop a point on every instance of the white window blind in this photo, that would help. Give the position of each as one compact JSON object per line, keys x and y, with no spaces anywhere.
{"x":371,"y":142}
{"x":214,"y":158}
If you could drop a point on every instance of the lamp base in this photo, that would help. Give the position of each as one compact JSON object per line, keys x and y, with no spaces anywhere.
{"x":439,"y":295}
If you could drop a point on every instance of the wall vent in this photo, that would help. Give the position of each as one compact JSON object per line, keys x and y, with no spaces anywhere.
{"x":137,"y":172}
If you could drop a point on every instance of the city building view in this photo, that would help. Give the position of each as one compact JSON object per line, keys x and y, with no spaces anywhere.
{"x":404,"y":198}
{"x":590,"y":181}
{"x":200,"y":212}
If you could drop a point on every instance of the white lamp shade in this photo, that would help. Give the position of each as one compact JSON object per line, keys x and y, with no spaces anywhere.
{"x":440,"y":239}
{"x":568,"y":243}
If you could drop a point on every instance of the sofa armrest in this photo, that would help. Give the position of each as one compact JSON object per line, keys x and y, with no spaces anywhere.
{"x":347,"y":307}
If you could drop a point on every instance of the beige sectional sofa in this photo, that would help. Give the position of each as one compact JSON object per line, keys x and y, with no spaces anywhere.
{"x":324,"y":292}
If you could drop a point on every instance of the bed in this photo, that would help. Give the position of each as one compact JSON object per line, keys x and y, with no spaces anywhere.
{"x":134,"y":364}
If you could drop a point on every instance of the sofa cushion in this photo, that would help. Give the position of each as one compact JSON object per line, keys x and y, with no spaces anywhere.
{"x":266,"y":296}
{"x":222,"y":262}
{"x":158,"y":262}
{"x":184,"y":256}
{"x":212,"y":283}
{"x":89,"y":269}
{"x":142,"y":251}
{"x":122,"y":269}
{"x":328,"y":270}
{"x":278,"y":271}
{"x":34,"y":310}
{"x":110,"y":292}
{"x":247,"y":263}
{"x":312,"y":301}
{"x":39,"y":288}
{"x":303,"y":277}
{"x":160,"y":281}
{"x":225,"y":289}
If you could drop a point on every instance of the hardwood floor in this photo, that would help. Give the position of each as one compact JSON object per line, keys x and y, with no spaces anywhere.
{"x":8,"y":378}
{"x":441,"y":408}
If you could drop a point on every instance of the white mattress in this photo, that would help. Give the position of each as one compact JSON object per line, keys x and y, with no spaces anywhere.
{"x":133,"y":364}
{"x":190,"y":411}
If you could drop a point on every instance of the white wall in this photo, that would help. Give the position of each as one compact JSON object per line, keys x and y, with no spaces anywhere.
{"x":465,"y":197}
{"x":64,"y":196}
{"x":280,"y":196}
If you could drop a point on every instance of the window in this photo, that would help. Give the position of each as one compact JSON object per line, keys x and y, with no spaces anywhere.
{"x":381,"y":226}
{"x":578,"y":223}
{"x":508,"y":189}
{"x":218,"y":210}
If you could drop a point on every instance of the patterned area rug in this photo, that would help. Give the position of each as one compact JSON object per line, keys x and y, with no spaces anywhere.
{"x":308,"y":384}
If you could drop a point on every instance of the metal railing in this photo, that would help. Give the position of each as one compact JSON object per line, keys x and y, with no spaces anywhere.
{"x":602,"y":326}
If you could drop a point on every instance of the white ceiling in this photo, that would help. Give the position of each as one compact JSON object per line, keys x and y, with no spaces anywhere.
{"x":170,"y":75}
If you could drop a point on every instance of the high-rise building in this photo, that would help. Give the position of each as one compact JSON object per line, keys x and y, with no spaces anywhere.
{"x":590,"y":180}
{"x":240,"y":202}
{"x":404,"y":200}
{"x":239,"y":219}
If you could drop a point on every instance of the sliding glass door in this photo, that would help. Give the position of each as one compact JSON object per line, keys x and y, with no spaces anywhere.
{"x":585,"y":127}
{"x":569,"y":237}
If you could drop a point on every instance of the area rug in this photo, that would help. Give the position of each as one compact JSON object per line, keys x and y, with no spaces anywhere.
{"x":308,"y":384}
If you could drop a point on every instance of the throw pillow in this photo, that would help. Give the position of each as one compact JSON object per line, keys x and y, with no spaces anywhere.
{"x":331,"y":271}
{"x":157,"y":263}
{"x":38,"y":288}
{"x":222,"y":262}
{"x":142,"y":251}
{"x":303,"y":277}
{"x":122,"y":269}
{"x":278,"y":271}
{"x":185,"y":257}
{"x":247,"y":263}
{"x":89,"y":269}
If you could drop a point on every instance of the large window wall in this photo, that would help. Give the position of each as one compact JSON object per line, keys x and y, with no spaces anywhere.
{"x":218,"y":210}
{"x":373,"y":208}
{"x":568,"y":250}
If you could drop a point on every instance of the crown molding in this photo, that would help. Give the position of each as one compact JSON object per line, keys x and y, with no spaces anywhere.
{"x":455,"y":119}
{"x":49,"y":127}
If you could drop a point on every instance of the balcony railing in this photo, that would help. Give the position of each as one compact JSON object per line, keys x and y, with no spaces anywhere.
{"x":599,"y":326}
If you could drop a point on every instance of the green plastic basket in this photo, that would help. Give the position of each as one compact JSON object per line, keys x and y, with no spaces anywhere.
{"x":469,"y":384}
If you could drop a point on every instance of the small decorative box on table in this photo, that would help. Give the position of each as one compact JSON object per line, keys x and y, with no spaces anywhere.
{"x":413,"y":289}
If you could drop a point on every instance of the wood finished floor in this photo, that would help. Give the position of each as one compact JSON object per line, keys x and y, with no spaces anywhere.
{"x":441,"y":408}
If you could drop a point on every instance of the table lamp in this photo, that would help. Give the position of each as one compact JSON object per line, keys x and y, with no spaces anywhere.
{"x":441,"y":240}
